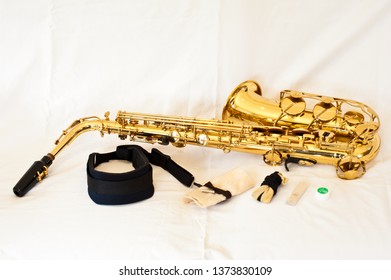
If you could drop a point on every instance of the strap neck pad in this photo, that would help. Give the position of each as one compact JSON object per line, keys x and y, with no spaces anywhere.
{"x":132,"y":186}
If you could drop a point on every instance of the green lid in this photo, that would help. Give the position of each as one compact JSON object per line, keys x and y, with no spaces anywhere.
{"x":323,"y":190}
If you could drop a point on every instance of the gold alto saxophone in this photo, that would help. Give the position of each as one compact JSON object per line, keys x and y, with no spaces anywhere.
{"x":301,"y":128}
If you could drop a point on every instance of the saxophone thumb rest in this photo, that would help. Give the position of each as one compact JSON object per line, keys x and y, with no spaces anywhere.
{"x":300,"y":128}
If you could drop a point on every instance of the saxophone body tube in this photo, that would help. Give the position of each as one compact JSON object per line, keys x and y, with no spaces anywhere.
{"x":300,"y":128}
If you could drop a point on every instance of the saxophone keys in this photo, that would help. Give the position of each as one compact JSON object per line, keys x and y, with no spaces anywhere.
{"x":275,"y":131}
{"x":350,"y":167}
{"x":202,"y":139}
{"x":366,"y":132}
{"x":353,"y":118}
{"x":293,"y":104}
{"x":175,"y":136}
{"x":272,"y":157}
{"x":176,"y":139}
{"x":325,"y":111}
{"x":300,"y":131}
{"x":326,"y":136}
{"x":327,"y":99}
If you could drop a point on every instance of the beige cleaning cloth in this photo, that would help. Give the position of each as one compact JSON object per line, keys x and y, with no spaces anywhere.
{"x":232,"y":183}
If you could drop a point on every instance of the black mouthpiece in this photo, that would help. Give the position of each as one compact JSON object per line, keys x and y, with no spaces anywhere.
{"x":34,"y":174}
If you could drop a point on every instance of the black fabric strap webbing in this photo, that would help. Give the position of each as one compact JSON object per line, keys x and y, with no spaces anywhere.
{"x":273,"y":180}
{"x":136,"y":185}
{"x":210,"y":186}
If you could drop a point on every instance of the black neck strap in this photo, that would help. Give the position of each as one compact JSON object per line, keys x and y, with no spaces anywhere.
{"x":136,"y":185}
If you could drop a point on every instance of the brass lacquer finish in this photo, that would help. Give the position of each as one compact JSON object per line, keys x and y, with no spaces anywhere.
{"x":310,"y":127}
{"x":302,"y":128}
{"x":328,"y":133}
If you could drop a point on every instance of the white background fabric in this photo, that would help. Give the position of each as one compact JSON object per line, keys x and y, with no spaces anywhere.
{"x":63,"y":60}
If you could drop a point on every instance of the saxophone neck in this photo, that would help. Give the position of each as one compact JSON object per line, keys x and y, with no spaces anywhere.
{"x":78,"y":127}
